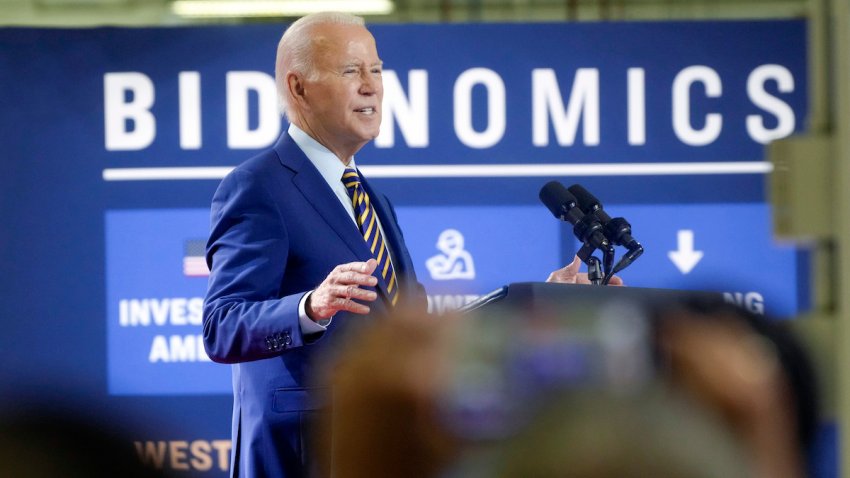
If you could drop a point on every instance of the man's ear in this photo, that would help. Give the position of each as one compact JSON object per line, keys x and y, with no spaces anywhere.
{"x":295,"y":86}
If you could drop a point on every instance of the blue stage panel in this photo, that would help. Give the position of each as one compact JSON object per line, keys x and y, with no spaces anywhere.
{"x":156,"y":281}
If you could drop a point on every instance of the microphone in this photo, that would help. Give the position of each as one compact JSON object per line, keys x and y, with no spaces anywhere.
{"x":586,"y":227}
{"x":561,"y":202}
{"x":617,"y":229}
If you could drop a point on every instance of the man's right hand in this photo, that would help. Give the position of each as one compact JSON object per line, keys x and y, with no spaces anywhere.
{"x":339,"y":289}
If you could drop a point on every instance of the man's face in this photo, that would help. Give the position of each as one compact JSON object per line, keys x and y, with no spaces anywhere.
{"x":343,"y":96}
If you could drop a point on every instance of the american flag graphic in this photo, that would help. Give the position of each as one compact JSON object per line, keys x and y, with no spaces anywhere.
{"x":194,"y":264}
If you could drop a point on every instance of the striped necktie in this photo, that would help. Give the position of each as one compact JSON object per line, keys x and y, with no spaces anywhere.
{"x":367,"y":221}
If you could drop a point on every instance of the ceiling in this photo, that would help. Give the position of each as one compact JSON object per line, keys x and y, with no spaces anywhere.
{"x":84,"y":13}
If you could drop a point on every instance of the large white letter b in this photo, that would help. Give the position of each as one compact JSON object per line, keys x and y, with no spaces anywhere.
{"x":119,"y":113}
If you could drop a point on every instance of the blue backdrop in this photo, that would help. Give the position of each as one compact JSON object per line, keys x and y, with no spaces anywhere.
{"x":102,"y":220}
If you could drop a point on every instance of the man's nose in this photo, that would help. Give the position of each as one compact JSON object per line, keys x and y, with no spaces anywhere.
{"x":370,"y":84}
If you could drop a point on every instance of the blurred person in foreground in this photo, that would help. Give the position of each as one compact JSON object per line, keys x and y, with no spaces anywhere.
{"x":301,"y":243}
{"x":752,"y":375}
{"x":45,"y":440}
{"x":721,"y":405}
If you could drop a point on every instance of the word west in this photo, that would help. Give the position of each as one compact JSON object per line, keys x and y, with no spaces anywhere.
{"x":197,"y":455}
{"x":130,"y":123}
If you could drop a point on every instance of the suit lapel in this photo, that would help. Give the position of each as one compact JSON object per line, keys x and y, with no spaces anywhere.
{"x":313,"y":187}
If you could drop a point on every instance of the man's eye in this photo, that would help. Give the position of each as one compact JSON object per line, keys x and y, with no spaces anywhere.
{"x":376,"y":71}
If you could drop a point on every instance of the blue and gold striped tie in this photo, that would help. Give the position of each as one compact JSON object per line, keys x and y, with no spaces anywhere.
{"x":367,"y":221}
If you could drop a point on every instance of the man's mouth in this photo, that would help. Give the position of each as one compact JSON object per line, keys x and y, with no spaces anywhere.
{"x":367,"y":111}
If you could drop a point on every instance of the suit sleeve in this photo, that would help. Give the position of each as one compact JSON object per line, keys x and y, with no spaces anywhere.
{"x":245,"y":318}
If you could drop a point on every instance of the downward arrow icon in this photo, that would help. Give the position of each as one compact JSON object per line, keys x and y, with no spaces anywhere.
{"x":685,"y":258}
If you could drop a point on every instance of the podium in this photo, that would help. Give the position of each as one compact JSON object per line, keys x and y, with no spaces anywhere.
{"x":535,"y":296}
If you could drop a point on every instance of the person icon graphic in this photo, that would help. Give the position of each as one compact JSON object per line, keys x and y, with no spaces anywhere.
{"x":454,"y":262}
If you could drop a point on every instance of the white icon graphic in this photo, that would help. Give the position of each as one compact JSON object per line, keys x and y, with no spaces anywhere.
{"x":453,"y":262}
{"x":685,"y":257}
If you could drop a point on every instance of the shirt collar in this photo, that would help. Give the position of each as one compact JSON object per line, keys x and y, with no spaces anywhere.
{"x":328,"y":164}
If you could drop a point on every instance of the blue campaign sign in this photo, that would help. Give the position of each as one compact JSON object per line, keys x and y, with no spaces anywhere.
{"x":462,"y":252}
{"x":721,"y":247}
{"x":665,"y":92}
{"x":655,"y":116}
{"x":658,"y":95}
{"x":155,"y":282}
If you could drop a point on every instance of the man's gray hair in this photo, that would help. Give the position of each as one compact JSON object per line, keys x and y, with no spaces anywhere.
{"x":294,"y":52}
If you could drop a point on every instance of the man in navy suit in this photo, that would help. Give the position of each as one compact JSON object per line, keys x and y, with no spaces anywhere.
{"x":289,"y":265}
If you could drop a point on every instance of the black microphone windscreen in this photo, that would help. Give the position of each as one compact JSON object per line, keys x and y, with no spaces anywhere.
{"x":586,"y":201}
{"x":554,"y":196}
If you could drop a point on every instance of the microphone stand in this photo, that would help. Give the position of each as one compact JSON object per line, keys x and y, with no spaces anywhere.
{"x":594,"y":265}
